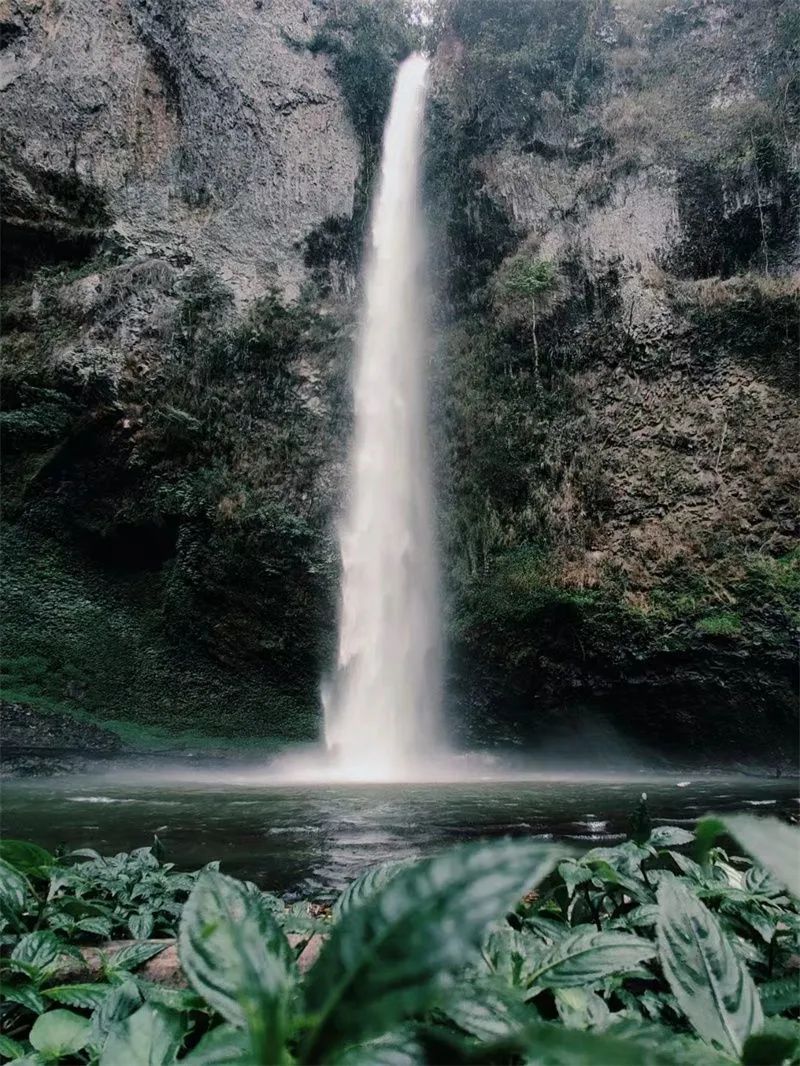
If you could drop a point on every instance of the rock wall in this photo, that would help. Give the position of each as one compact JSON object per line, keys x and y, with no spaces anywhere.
{"x":630,"y":319}
{"x":614,"y":199}
{"x":212,"y":138}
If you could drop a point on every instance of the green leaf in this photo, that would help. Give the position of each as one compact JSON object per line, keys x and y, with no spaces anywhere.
{"x":580,"y":1008}
{"x":587,"y":956}
{"x":775,"y":845}
{"x":709,"y":981}
{"x":780,"y":995}
{"x":237,"y":958}
{"x":554,"y":1045}
{"x":514,"y":954}
{"x":98,"y":926}
{"x":223,"y":1046}
{"x":761,"y":882}
{"x":29,"y":859}
{"x":10,"y":1049}
{"x":365,"y":886}
{"x":59,"y":1032}
{"x":574,"y":874}
{"x":670,"y":836}
{"x":135,"y":954}
{"x":38,"y":950}
{"x":150,"y":1037}
{"x":141,"y":925}
{"x":15,"y":891}
{"x":179,"y":999}
{"x":85,"y":996}
{"x":26,"y":996}
{"x":642,"y":916}
{"x":677,"y":1049}
{"x":118,"y":1005}
{"x":488,"y":1010}
{"x":548,"y":928}
{"x":388,"y":958}
{"x":400,"y":1048}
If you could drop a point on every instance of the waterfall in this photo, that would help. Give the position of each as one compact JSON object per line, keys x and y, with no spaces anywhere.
{"x":382,"y":710}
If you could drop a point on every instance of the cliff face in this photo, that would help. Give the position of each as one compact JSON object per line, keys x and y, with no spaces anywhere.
{"x":614,"y":201}
{"x":211,"y":137}
{"x":645,"y":304}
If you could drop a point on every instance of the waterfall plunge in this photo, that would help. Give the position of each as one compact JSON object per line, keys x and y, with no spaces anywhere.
{"x":382,"y":710}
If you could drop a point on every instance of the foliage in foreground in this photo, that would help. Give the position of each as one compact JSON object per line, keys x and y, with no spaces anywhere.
{"x":634,"y":954}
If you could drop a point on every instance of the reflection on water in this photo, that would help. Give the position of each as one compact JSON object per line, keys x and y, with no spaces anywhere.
{"x":313,"y":840}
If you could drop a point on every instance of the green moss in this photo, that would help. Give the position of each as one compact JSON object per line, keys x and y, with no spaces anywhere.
{"x":93,"y":645}
{"x":720,"y":624}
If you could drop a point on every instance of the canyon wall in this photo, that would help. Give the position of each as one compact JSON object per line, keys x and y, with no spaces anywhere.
{"x":613,"y":199}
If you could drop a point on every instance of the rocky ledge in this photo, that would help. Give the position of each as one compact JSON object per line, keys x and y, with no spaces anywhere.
{"x":35,"y":743}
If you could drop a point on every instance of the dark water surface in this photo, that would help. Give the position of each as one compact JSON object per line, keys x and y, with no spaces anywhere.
{"x":311,"y":840}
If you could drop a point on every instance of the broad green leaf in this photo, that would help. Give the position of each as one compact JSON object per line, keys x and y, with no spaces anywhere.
{"x":760,"y":882}
{"x":85,"y":996}
{"x":237,"y":958}
{"x":10,"y":1049}
{"x":640,"y":917}
{"x":59,"y":1032}
{"x":488,"y":1009}
{"x":587,"y":956}
{"x":118,"y":1005}
{"x":129,"y":958}
{"x":775,"y":845}
{"x":762,"y":923}
{"x":670,"y":836}
{"x":625,"y":858}
{"x":179,"y":999}
{"x":98,"y":926}
{"x":580,"y":1008}
{"x":574,"y":874}
{"x":678,"y":1049}
{"x":513,"y":954}
{"x":555,"y":1045}
{"x":15,"y":891}
{"x":223,"y":1046}
{"x":150,"y":1037}
{"x":548,"y":928}
{"x":26,"y":995}
{"x":603,"y":874}
{"x":29,"y":859}
{"x":141,"y":925}
{"x":780,"y":995}
{"x":87,"y":853}
{"x":40,"y":949}
{"x":709,"y":981}
{"x":365,"y":886}
{"x":390,"y":957}
{"x":394,"y":1049}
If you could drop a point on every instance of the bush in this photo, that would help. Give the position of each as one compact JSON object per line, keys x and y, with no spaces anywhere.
{"x":502,"y":952}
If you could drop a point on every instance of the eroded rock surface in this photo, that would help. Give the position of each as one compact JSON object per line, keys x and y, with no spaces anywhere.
{"x":212,"y":139}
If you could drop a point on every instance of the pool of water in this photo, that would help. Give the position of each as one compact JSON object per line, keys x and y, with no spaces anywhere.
{"x":311,"y":840}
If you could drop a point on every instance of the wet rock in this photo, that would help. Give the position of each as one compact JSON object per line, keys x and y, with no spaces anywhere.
{"x":37,"y":744}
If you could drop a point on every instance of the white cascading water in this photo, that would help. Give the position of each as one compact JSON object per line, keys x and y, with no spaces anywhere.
{"x":382,"y":710}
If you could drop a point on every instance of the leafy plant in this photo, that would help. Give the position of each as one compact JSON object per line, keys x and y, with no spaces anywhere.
{"x":503,"y":952}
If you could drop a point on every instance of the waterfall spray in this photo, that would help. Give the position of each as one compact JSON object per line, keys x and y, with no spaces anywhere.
{"x":382,"y":710}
